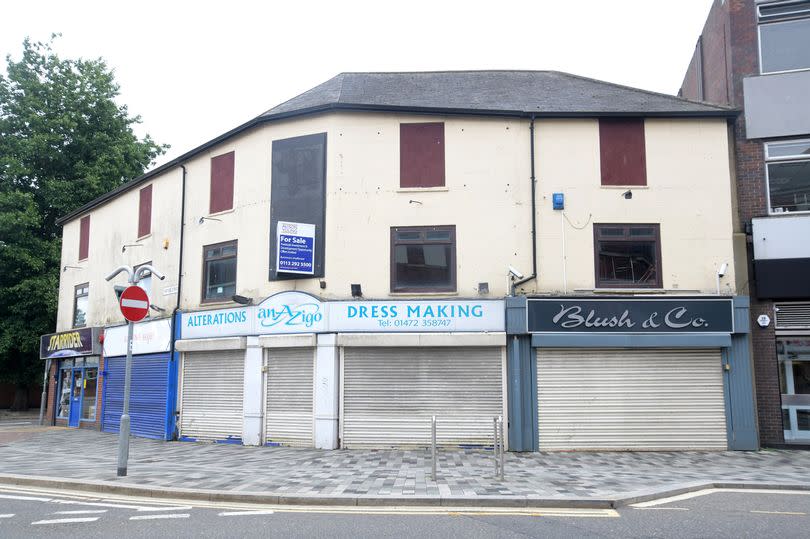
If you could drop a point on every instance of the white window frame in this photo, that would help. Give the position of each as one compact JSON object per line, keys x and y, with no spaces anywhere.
{"x":781,"y":159}
{"x":794,"y":434}
{"x":795,"y":18}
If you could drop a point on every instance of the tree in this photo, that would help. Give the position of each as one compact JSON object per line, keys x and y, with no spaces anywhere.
{"x":63,"y":142}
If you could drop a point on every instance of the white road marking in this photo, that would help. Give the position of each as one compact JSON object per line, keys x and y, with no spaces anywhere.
{"x":154,"y":517}
{"x":662,"y":508}
{"x":85,"y":512}
{"x":779,"y":513}
{"x":704,"y":492}
{"x":169,"y":508}
{"x":116,"y":505}
{"x":7,"y":515}
{"x":244,"y":513}
{"x":65,"y":520}
{"x":26,"y":498}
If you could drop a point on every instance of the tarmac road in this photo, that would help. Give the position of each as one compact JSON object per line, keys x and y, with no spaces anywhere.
{"x":29,"y":512}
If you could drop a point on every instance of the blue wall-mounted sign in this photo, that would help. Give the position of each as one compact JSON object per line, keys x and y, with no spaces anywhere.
{"x":295,"y":248}
{"x":558,"y":201}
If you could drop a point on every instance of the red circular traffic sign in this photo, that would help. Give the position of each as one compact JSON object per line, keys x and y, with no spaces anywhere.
{"x":134,"y":303}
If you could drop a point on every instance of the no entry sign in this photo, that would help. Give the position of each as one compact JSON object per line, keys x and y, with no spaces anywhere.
{"x":134,"y":303}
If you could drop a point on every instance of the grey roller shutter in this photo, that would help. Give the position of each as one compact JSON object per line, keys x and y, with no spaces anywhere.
{"x":390,"y":394}
{"x":289,"y":396}
{"x":618,"y":399}
{"x":211,"y":395}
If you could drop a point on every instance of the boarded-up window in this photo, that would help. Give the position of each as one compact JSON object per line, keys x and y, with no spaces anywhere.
{"x":421,"y":155}
{"x":221,"y":182}
{"x":622,"y":154}
{"x":84,"y":237}
{"x":145,"y":211}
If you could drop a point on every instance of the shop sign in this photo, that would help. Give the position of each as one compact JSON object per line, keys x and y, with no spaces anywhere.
{"x":76,"y":342}
{"x":295,"y":248}
{"x":630,"y":315}
{"x":417,"y":316}
{"x":290,"y":312}
{"x":217,"y":323}
{"x":147,"y":338}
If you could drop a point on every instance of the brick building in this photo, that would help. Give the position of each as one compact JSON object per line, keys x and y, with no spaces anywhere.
{"x":755,"y":55}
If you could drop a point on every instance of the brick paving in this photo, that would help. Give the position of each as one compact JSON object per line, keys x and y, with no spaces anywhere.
{"x":91,"y":455}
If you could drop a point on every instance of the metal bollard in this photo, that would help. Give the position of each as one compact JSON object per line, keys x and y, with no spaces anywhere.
{"x":433,"y":446}
{"x":501,"y":445}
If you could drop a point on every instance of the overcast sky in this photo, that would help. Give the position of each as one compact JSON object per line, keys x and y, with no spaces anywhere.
{"x":193,"y":70}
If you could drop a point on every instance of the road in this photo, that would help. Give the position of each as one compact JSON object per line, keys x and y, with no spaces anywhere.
{"x":28,"y":512}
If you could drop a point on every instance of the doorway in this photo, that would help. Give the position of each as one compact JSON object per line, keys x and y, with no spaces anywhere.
{"x":77,"y":394}
{"x":794,"y":381}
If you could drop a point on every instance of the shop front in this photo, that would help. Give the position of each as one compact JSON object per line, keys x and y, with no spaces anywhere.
{"x":153,"y":379}
{"x":73,"y":359}
{"x":631,"y":373}
{"x":792,"y":328}
{"x":297,"y":371}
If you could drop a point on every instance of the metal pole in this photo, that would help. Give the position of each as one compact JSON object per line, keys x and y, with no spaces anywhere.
{"x":500,"y":445}
{"x":495,"y":442}
{"x":42,"y":400}
{"x":123,"y":432}
{"x":433,"y":446}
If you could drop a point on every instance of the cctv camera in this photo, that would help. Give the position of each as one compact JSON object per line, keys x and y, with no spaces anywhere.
{"x":515,"y":273}
{"x":722,"y":271}
{"x":628,"y":194}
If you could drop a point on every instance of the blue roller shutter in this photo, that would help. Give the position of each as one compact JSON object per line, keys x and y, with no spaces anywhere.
{"x":148,"y":394}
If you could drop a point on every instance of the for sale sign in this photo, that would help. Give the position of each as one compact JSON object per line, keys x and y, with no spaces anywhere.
{"x":296,"y":248}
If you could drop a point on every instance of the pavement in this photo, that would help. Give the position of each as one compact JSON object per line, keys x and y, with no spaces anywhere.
{"x":86,"y":459}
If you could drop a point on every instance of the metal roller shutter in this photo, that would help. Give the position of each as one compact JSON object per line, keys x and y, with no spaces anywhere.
{"x":390,"y":394}
{"x":289,"y":396}
{"x":211,"y":398}
{"x":147,"y":394}
{"x":619,"y":399}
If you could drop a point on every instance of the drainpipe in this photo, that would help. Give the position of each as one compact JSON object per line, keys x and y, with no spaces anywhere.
{"x":534,"y":212}
{"x":179,"y":269}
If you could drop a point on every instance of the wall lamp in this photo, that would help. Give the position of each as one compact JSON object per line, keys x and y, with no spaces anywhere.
{"x":203,"y":219}
{"x":242,"y":300}
{"x":124,"y":247}
{"x":65,"y":268}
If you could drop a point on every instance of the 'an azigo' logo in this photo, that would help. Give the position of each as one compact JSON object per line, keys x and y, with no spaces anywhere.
{"x":304,"y":314}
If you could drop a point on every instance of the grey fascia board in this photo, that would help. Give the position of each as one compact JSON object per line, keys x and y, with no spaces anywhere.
{"x":684,"y":340}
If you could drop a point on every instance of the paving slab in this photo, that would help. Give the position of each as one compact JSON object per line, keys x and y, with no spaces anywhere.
{"x":388,"y":476}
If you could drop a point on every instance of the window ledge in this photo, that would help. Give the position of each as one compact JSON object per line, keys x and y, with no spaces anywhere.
{"x":787,"y":213}
{"x":625,"y":186}
{"x":636,"y":291}
{"x":218,"y":213}
{"x":422,"y":189}
{"x":144,"y":237}
{"x":215,"y":303}
{"x":416,"y":294}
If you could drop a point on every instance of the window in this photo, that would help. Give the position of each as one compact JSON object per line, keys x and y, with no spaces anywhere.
{"x":622,"y":151}
{"x":784,"y":36}
{"x":627,"y":256}
{"x":421,"y":155}
{"x":145,"y":211}
{"x":219,"y":271}
{"x":423,"y":259}
{"x":221,"y":183}
{"x":788,"y":171}
{"x":793,"y":354}
{"x":80,"y":304}
{"x":84,"y":237}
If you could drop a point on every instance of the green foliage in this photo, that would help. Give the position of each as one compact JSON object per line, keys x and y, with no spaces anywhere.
{"x":63,"y":142}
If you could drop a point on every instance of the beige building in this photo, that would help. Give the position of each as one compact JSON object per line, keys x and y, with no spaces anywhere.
{"x":403,"y":188}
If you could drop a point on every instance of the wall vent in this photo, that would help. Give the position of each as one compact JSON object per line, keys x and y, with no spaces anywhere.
{"x":792,"y":315}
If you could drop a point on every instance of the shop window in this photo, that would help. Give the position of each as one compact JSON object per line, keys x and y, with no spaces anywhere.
{"x":63,"y":410}
{"x":627,"y":256}
{"x":622,"y":152}
{"x":421,"y":155}
{"x":788,"y":175}
{"x":222,"y":172}
{"x":793,"y":354}
{"x":90,"y":384}
{"x":219,"y":271}
{"x":423,"y":259}
{"x":784,"y":36}
{"x":84,"y":237}
{"x":81,"y":300}
{"x":145,"y":211}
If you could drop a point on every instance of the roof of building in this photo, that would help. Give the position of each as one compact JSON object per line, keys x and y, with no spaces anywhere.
{"x":496,"y":93}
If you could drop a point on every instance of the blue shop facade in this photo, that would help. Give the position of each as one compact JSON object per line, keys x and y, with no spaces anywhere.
{"x":630,"y":373}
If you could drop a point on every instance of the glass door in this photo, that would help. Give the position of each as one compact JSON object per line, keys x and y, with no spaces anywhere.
{"x":794,"y":379}
{"x":76,"y":391}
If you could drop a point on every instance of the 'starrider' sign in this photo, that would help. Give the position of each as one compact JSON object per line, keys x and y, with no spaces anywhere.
{"x":76,"y":342}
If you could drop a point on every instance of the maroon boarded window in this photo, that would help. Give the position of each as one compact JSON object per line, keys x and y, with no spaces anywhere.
{"x":421,"y":155}
{"x":221,"y":182}
{"x":145,"y":212}
{"x":622,"y":154}
{"x":84,"y":237}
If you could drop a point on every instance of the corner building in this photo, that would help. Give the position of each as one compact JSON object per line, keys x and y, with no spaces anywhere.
{"x":345,"y":266}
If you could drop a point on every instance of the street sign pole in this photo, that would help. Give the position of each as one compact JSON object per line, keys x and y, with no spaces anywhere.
{"x":134,"y":305}
{"x":123,"y":431}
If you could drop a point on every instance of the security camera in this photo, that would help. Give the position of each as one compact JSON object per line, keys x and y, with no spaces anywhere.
{"x":722,"y":271}
{"x":515,"y":273}
{"x":628,"y":194}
